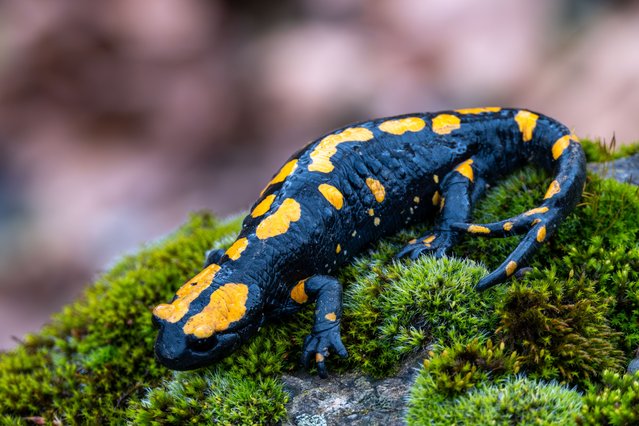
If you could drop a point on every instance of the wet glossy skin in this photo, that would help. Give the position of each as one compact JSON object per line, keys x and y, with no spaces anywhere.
{"x":350,"y":188}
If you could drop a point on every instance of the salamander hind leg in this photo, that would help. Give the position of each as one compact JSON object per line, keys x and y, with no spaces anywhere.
{"x":459,"y":190}
{"x":325,"y":336}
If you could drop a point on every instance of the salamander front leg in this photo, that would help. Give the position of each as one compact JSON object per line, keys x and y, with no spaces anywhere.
{"x":459,"y":190}
{"x":327,"y":293}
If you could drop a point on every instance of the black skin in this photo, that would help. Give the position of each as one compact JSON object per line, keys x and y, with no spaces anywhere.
{"x":414,"y":164}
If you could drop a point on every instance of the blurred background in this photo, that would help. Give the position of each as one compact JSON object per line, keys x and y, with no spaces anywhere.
{"x":119,"y":118}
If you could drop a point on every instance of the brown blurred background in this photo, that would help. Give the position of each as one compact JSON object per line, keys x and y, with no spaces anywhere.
{"x":118,"y":118}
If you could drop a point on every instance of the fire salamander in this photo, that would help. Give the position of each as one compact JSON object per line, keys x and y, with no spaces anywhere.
{"x":345,"y":191}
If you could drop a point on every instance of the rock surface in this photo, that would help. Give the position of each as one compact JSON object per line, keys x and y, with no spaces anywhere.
{"x":350,"y":398}
{"x":623,"y":170}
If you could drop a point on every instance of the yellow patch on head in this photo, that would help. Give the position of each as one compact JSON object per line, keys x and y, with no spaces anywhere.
{"x":560,"y":146}
{"x":298,"y":293}
{"x":444,"y":124}
{"x":508,"y":226}
{"x":553,"y":189}
{"x":377,"y":221}
{"x":227,"y":305}
{"x":331,"y":316}
{"x":511,"y":267}
{"x":174,"y":311}
{"x":321,"y":155}
{"x":235,"y":251}
{"x":476,"y":229}
{"x":376,"y":188}
{"x":284,"y":172}
{"x":338,"y":248}
{"x":278,"y":223}
{"x":263,"y":206}
{"x":527,"y":122}
{"x":436,"y":178}
{"x":402,"y":125}
{"x":371,"y":212}
{"x":477,"y":110}
{"x":436,"y":198}
{"x":538,"y":210}
{"x":466,"y":169}
{"x":541,"y":234}
{"x":332,"y":195}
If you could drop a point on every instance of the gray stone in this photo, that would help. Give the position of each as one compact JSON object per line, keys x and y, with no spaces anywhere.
{"x":350,"y":398}
{"x":634,"y":366}
{"x":624,"y":170}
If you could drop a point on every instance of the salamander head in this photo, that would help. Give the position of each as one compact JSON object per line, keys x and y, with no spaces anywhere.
{"x":206,"y":321}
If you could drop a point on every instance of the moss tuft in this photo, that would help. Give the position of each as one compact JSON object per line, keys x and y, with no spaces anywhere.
{"x":560,"y":329}
{"x":394,"y":309}
{"x":615,"y":402}
{"x":515,"y":401}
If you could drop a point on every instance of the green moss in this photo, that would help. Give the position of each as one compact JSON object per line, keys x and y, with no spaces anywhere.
{"x":515,"y":401}
{"x":615,"y":402}
{"x":394,"y":309}
{"x":560,"y":329}
{"x":94,"y":362}
{"x":599,"y":151}
{"x":97,"y":353}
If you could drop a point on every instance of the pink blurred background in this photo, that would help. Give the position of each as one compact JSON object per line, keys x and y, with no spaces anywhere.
{"x":118,"y":118}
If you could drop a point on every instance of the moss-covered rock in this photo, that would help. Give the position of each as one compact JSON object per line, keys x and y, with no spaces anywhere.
{"x":94,"y":362}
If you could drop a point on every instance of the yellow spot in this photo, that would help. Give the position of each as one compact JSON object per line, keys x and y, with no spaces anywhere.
{"x":536,"y":221}
{"x":332,"y":194}
{"x":477,"y":110}
{"x":376,"y":188}
{"x":541,"y":234}
{"x":560,"y":146}
{"x":237,"y":248}
{"x":377,"y":221}
{"x":331,"y":316}
{"x":536,"y":211}
{"x":429,"y":239}
{"x":277,"y":223}
{"x":174,"y":311}
{"x":444,"y":124}
{"x":442,"y":204}
{"x":321,"y":155}
{"x":465,"y":169}
{"x":354,"y":233}
{"x":227,"y":305}
{"x":511,"y":267}
{"x":416,"y":200}
{"x":371,"y":212}
{"x":436,"y":178}
{"x":508,"y":226}
{"x":338,"y":248}
{"x":298,"y":293}
{"x":413,"y":241}
{"x":476,"y":229}
{"x":436,"y":198}
{"x":284,"y":172}
{"x":527,"y":122}
{"x":319,"y":357}
{"x":263,"y":206}
{"x":403,"y":125}
{"x":553,"y":189}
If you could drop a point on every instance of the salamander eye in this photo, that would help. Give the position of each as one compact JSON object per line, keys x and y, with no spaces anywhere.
{"x":201,"y":345}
